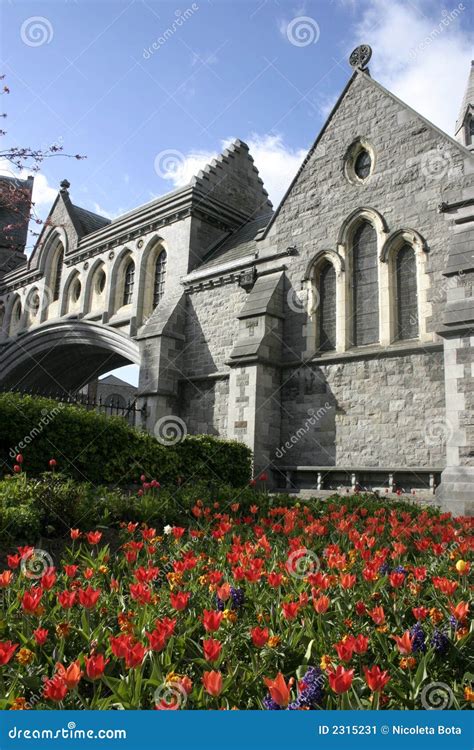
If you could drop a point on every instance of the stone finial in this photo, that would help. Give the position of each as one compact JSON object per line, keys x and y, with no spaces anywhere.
{"x":360,"y":56}
{"x":64,"y":186}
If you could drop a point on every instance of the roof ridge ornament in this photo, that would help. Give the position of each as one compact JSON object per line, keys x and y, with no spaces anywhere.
{"x":360,"y":56}
{"x":64,"y":186}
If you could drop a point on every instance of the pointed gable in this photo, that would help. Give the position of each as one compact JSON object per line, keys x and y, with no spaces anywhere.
{"x":467,"y":108}
{"x":233,"y":179}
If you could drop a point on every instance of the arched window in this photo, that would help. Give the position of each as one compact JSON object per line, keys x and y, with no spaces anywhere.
{"x":129,"y":281}
{"x":470,"y":129}
{"x":327,"y":307}
{"x":15,"y":320}
{"x":407,"y":296}
{"x":365,"y":286}
{"x":58,"y":269}
{"x":160,"y":276}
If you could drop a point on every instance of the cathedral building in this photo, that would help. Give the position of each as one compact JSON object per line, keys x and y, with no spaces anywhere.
{"x":334,"y":335}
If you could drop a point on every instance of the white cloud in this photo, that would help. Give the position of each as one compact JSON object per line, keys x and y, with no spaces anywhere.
{"x":421,"y":53}
{"x":276,"y":161}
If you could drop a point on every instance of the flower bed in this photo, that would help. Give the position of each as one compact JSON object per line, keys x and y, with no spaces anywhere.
{"x":335,"y":607}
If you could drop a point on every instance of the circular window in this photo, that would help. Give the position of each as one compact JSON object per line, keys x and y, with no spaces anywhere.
{"x":363,"y":164}
{"x":359,"y":161}
{"x":76,"y":290}
{"x":101,"y":281}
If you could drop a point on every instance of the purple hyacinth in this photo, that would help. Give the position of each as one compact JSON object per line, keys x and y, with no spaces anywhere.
{"x":237,"y":596}
{"x":417,"y":635}
{"x":439,"y":641}
{"x":313,"y":691}
{"x":269,"y":704}
{"x":453,"y":622}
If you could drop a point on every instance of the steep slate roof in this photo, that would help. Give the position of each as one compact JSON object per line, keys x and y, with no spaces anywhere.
{"x":89,"y":221}
{"x":236,"y":245}
{"x":468,"y":100}
{"x":114,"y":380}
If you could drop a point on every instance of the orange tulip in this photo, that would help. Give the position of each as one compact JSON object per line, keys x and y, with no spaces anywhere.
{"x":460,"y":610}
{"x":212,"y":682}
{"x":71,"y":675}
{"x":278,"y":690}
{"x":404,"y":643}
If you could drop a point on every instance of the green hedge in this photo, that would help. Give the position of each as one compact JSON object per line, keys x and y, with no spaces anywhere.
{"x":105,"y":450}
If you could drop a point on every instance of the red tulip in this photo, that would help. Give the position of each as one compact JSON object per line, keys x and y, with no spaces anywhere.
{"x":140,"y":593}
{"x":376,"y":679}
{"x":345,"y":649}
{"x":212,"y":682}
{"x":157,"y":640}
{"x":419,"y":613}
{"x":177,"y":531}
{"x":13,"y":561}
{"x":259,"y":636}
{"x":212,"y":649}
{"x":341,"y":679}
{"x":347,"y":581}
{"x":94,"y":537}
{"x":321,"y":605}
{"x":275,"y":579}
{"x":75,"y":533}
{"x":290,"y":610}
{"x":396,"y":579}
{"x":17,"y":468}
{"x":53,"y":462}
{"x":31,"y":600}
{"x":263,"y":477}
{"x":7,"y":649}
{"x":360,"y":608}
{"x":48,"y":579}
{"x":55,"y":689}
{"x":135,"y":655}
{"x":41,"y":636}
{"x":279,"y":690}
{"x":179,"y":600}
{"x":211,"y":620}
{"x":120,"y":645}
{"x":71,"y":570}
{"x":378,"y":615}
{"x":67,"y":599}
{"x":360,"y":644}
{"x":95,"y":666}
{"x":19,"y":458}
{"x":88,"y":597}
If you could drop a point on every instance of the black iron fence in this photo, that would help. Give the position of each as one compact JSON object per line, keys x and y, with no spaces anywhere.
{"x":111,"y":406}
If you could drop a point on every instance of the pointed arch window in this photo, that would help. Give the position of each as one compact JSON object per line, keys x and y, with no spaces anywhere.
{"x":160,"y":278}
{"x":407,"y":294}
{"x":470,"y":129}
{"x":327,"y":307}
{"x":58,"y":269}
{"x":129,"y":282}
{"x":365,"y":286}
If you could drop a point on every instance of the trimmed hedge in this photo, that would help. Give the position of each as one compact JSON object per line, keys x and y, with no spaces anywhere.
{"x":105,"y":450}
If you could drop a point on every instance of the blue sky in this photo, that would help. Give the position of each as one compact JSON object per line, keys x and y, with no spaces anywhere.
{"x":85,"y":75}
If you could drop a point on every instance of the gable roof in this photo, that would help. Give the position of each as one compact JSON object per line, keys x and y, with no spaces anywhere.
{"x":89,"y":221}
{"x":236,"y":245}
{"x":369,"y":79}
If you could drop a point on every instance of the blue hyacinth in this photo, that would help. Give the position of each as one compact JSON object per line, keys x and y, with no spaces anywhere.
{"x":270,"y":704}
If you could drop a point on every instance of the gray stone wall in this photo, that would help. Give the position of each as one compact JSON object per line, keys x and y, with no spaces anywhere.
{"x":371,"y":412}
{"x":203,"y":406}
{"x":211,"y":328}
